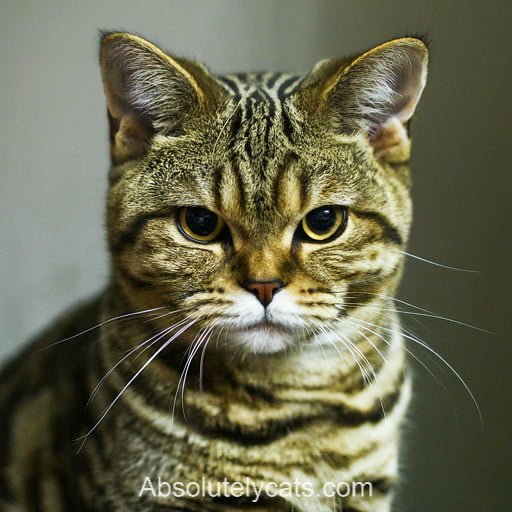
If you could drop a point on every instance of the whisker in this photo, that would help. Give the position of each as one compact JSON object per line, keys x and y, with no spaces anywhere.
{"x":96,"y":389}
{"x":422,"y":312}
{"x":132,"y":379}
{"x":101,"y":324}
{"x":226,"y":123}
{"x":158,"y":337}
{"x":371,"y":343}
{"x":427,"y":315}
{"x":201,"y":362}
{"x":344,"y":341}
{"x":417,"y":359}
{"x":436,"y":354}
{"x":368,"y":375}
{"x":372,"y":370}
{"x":195,"y":346}
{"x":186,"y":357}
{"x":389,"y":297}
{"x":168,"y":313}
{"x":434,"y":263}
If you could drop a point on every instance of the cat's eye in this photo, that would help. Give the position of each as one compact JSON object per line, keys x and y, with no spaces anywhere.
{"x":323,"y":224}
{"x":199,"y":224}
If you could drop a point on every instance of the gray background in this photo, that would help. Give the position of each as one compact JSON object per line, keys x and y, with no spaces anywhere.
{"x":53,"y":162}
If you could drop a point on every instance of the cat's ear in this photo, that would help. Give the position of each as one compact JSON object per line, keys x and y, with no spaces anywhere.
{"x":149,"y":92}
{"x":375,"y":93}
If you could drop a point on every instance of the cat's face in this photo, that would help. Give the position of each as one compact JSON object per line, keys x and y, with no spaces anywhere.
{"x":264,"y":207}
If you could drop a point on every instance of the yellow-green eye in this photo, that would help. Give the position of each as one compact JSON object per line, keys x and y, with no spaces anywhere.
{"x":199,"y":224}
{"x":324,"y":223}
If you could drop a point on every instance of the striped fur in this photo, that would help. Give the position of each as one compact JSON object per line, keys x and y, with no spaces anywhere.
{"x":315,"y":386}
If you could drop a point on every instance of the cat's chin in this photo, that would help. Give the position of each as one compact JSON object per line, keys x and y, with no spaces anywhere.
{"x":262,"y":339}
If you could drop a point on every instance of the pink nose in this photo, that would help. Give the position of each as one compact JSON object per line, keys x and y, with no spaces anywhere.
{"x":264,"y":290}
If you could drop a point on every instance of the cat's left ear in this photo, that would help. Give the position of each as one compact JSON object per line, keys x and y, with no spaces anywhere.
{"x":375,"y":93}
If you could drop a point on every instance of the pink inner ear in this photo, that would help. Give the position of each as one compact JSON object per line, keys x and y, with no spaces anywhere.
{"x":391,"y":137}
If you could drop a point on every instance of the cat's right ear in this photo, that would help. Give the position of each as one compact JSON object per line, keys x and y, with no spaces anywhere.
{"x":148,"y":92}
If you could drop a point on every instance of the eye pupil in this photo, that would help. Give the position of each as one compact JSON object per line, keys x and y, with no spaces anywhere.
{"x":201,"y":221}
{"x":322,"y":219}
{"x":199,"y":224}
{"x":323,"y":224}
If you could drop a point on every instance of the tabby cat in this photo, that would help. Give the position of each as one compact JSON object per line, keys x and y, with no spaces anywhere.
{"x":256,"y":226}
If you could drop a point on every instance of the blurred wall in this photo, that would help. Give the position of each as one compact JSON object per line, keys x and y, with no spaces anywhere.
{"x":54,"y":158}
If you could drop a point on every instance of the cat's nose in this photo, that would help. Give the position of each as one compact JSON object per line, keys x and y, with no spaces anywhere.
{"x":264,"y":290}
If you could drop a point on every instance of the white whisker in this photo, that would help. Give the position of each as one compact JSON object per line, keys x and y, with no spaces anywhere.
{"x":418,"y":360}
{"x":146,"y":343}
{"x":194,"y":347}
{"x":132,"y":379}
{"x":436,"y":354}
{"x":448,"y":267}
{"x":101,"y":324}
{"x":416,"y":313}
{"x":201,"y":362}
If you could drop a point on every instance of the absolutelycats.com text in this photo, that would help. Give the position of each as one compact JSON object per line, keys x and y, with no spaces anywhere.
{"x":162,"y":488}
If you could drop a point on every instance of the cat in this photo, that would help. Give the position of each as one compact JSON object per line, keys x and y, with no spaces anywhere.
{"x":256,"y":225}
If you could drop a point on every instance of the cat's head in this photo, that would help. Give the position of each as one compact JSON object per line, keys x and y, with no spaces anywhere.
{"x":267,"y":206}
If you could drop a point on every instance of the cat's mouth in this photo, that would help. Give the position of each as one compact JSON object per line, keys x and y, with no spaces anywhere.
{"x":264,"y":336}
{"x":267,"y":326}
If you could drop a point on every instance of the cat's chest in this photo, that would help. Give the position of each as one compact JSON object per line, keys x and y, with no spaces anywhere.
{"x":157,"y":466}
{"x":252,"y":426}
